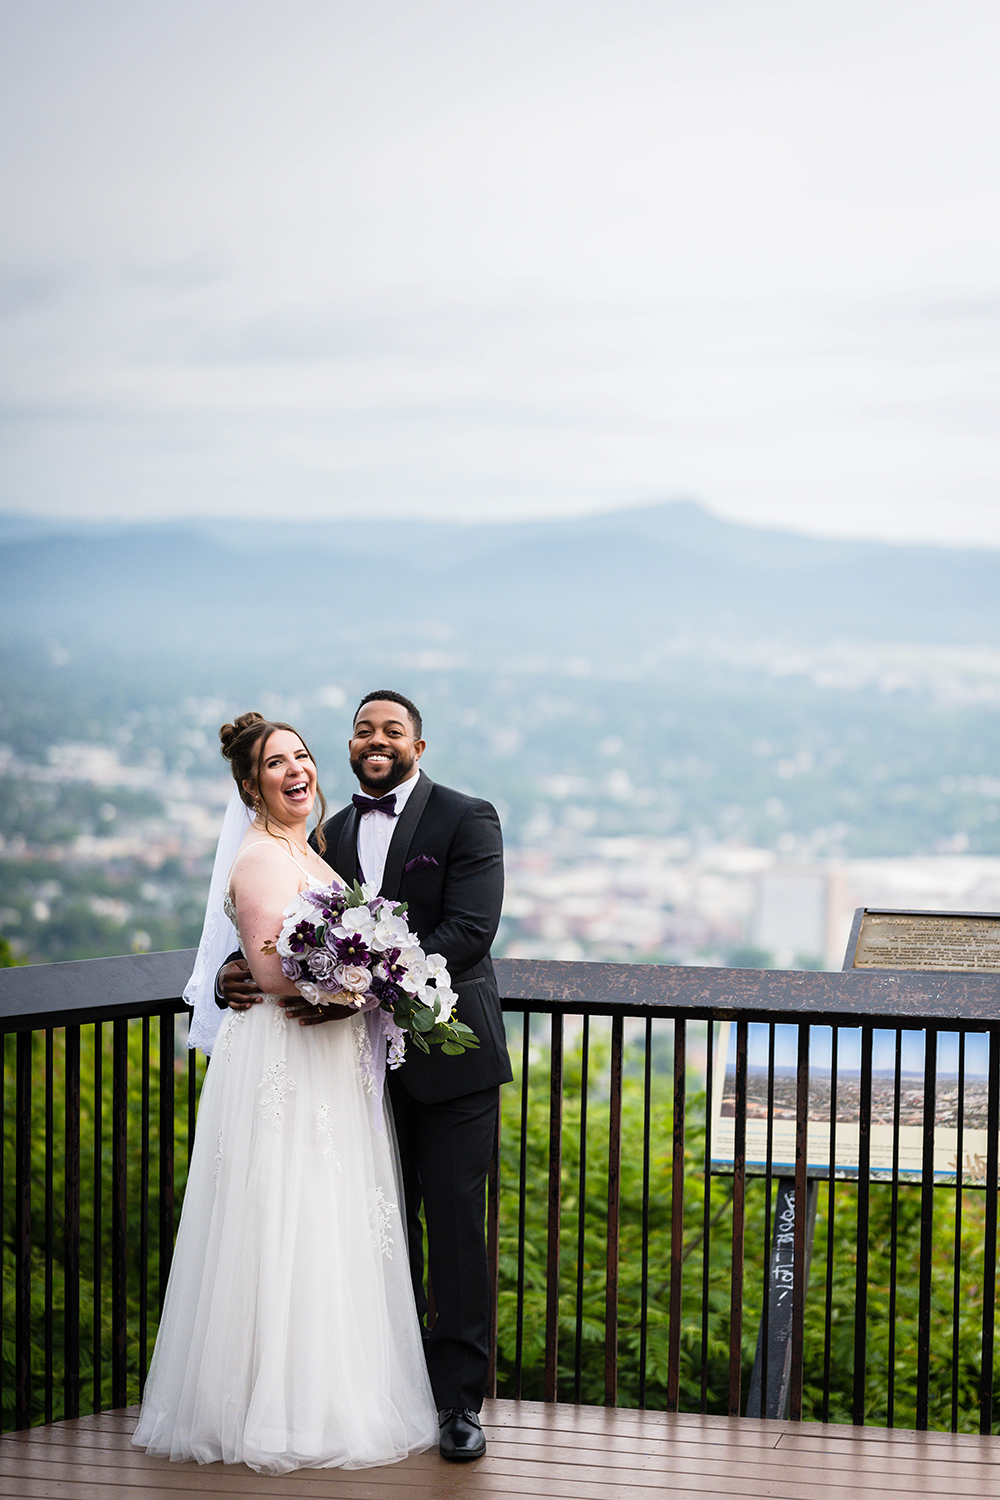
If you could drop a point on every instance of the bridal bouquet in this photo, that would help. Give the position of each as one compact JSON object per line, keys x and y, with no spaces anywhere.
{"x":354,"y":948}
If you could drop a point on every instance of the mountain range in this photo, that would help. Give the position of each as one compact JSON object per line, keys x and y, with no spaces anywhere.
{"x":610,"y":587}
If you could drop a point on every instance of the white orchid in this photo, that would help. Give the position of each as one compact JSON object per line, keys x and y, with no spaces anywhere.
{"x":444,"y":1002}
{"x":356,"y":921}
{"x":391,"y":932}
{"x":298,"y":910}
{"x":415,"y":978}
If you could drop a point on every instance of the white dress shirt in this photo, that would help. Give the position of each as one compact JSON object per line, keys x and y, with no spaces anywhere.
{"x":375,"y":832}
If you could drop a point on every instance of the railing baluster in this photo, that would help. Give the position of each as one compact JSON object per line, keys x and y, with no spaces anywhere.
{"x":861,"y":1273}
{"x":71,"y":1238}
{"x":50,"y":1126}
{"x":98,"y":1240}
{"x":677,"y":1166}
{"x":166,"y":1163}
{"x":956,"y":1289}
{"x":581,"y":1217}
{"x":894,"y":1232}
{"x":144,"y":1211}
{"x":739,"y":1207}
{"x":926,"y":1230}
{"x":647,"y":1094}
{"x":706,"y":1219}
{"x":831,"y":1210}
{"x":800,"y":1242}
{"x":554,"y":1206}
{"x":990,"y":1237}
{"x":522,"y":1178}
{"x":614,"y":1214}
{"x":765,"y":1311}
{"x":22,"y":1234}
{"x":119,"y":1210}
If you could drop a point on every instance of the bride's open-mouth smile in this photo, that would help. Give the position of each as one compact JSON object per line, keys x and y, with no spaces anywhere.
{"x":287,"y":776}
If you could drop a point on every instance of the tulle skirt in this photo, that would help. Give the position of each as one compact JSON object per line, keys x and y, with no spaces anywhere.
{"x":289,"y":1336}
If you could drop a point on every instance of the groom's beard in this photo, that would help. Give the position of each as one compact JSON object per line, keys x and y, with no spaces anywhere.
{"x":386,"y":779}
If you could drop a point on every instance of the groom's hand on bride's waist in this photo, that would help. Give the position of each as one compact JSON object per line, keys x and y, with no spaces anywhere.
{"x":298,"y":1009}
{"x":235,"y":986}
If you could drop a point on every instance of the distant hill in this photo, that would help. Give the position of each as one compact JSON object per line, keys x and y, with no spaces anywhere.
{"x":609,"y":587}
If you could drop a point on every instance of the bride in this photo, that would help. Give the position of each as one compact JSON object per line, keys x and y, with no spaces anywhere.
{"x":289,"y":1336}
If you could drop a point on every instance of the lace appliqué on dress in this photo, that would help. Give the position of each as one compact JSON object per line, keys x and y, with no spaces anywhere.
{"x":218,"y":1156}
{"x":380,"y":1215}
{"x":273,"y":1089}
{"x":325,"y":1134}
{"x":229,"y":1032}
{"x":363,"y":1053}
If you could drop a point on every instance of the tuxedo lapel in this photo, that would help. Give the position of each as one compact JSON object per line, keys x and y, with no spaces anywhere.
{"x":402,"y":835}
{"x":346,"y":861}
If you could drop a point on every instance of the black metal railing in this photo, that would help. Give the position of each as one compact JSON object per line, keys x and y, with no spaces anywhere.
{"x":627,"y":1270}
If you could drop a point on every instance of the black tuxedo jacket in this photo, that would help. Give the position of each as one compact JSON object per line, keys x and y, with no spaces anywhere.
{"x":445,"y":860}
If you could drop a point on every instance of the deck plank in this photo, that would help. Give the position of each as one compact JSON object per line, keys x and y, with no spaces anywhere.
{"x":560,"y":1452}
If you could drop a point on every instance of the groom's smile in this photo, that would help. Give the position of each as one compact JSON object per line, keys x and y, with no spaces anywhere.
{"x":382,"y":747}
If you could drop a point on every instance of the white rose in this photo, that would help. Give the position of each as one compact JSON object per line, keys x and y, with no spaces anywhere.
{"x":311,"y":993}
{"x":352,"y":977}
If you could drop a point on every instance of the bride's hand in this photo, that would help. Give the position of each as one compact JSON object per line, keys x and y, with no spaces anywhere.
{"x":298,"y":1009}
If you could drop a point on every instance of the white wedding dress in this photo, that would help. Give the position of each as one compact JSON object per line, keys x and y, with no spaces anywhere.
{"x":289,"y":1336}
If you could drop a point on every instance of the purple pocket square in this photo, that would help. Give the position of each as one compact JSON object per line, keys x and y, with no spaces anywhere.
{"x":420,"y":863}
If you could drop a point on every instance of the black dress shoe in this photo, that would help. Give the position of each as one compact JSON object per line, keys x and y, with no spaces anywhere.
{"x":461,"y":1435}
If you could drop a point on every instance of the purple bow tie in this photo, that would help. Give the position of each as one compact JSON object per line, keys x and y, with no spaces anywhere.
{"x":385,"y":804}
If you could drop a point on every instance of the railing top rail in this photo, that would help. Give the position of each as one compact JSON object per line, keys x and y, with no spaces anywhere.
{"x":93,"y":989}
{"x":142,"y":984}
{"x":897,"y":998}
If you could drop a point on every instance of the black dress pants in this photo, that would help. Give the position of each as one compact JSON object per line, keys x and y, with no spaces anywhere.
{"x":445,"y":1151}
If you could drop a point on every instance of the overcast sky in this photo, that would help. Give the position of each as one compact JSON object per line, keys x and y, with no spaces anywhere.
{"x":493,"y":260}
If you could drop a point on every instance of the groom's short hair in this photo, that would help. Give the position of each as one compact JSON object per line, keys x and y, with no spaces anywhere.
{"x":386,"y":695}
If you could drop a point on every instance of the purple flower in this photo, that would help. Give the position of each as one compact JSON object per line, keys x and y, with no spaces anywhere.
{"x":291,"y":968}
{"x":351,"y":950}
{"x":385,"y":991}
{"x":303,"y":937}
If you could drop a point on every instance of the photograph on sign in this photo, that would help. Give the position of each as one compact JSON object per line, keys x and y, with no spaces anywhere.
{"x":884,"y":1104}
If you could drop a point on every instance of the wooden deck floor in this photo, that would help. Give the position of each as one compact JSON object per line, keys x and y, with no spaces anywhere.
{"x":562,"y":1452}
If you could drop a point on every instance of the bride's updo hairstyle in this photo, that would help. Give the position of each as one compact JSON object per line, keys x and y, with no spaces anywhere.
{"x":243,"y":745}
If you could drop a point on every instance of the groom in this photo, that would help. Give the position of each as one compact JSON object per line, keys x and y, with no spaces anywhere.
{"x":441,"y":852}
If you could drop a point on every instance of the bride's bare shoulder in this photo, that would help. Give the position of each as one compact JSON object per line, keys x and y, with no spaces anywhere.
{"x":254,"y":856}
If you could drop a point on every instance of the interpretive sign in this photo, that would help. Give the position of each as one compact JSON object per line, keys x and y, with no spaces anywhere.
{"x":955,"y":942}
{"x":938,"y":941}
